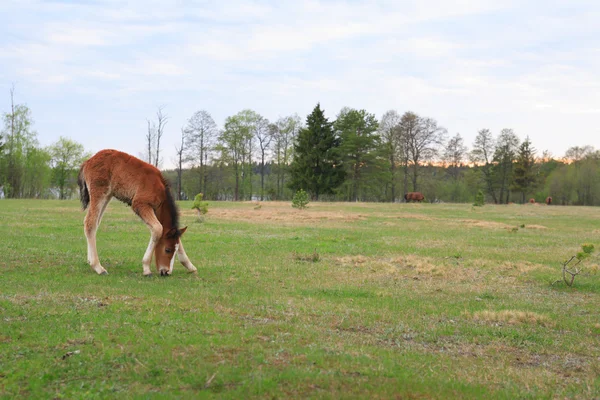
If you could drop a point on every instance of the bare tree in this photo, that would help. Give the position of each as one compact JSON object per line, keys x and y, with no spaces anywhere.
{"x":482,"y":154}
{"x":180,"y":160}
{"x":153,"y":136}
{"x":232,"y":146}
{"x":391,"y":133}
{"x":201,"y":132}
{"x":162,"y":120}
{"x":409,"y":127}
{"x":247,"y":119}
{"x":454,"y":154}
{"x":12,"y":110}
{"x":422,"y":142}
{"x":286,"y":131}
{"x":264,"y":134}
{"x":577,"y":153}
{"x":14,"y":175}
{"x":150,"y":139}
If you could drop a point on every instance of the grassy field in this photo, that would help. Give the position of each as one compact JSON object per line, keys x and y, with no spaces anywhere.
{"x":405,"y":301}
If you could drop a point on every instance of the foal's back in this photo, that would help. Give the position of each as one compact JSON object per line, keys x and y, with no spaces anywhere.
{"x":118,"y":174}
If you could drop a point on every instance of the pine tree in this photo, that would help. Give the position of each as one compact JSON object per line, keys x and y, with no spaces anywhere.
{"x":504,"y":157}
{"x":317,"y":166}
{"x":357,"y":130}
{"x":524,"y":174}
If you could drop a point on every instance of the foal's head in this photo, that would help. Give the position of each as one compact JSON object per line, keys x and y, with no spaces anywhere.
{"x":164,"y":252}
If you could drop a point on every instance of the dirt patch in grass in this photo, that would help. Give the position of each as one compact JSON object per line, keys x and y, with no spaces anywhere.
{"x":483,"y":224}
{"x":520,"y":267}
{"x":535,"y":227}
{"x":415,"y":216}
{"x":288,"y":216}
{"x":510,"y":317}
{"x":352,"y":260}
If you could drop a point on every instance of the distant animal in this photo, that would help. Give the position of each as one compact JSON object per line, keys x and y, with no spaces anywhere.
{"x":532,"y":201}
{"x":414,"y":196}
{"x":548,"y":200}
{"x":111,"y":173}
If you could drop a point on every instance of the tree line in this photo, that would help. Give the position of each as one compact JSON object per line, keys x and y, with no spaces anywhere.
{"x":28,"y":170}
{"x":355,"y":157}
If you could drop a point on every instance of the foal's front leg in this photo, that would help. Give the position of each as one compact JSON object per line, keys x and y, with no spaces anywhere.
{"x":91,"y":222}
{"x":148,"y":216}
{"x":183,"y":258}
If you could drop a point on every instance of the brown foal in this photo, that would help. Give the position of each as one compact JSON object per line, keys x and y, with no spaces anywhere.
{"x":111,"y":173}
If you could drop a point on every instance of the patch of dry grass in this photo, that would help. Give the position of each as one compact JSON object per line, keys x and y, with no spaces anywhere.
{"x":407,"y":266}
{"x":535,"y":227}
{"x":283,"y":215}
{"x":482,"y":224}
{"x":511,"y":317}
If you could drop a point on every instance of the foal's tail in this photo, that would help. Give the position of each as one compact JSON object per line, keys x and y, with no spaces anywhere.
{"x":84,"y":194}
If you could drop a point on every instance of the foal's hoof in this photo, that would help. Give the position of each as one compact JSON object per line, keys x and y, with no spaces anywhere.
{"x":104,"y":273}
{"x":148,"y":275}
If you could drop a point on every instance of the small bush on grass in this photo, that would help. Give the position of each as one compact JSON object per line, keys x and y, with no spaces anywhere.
{"x":479,"y":199}
{"x":200,"y":206}
{"x":300,"y":200}
{"x":314,"y":257}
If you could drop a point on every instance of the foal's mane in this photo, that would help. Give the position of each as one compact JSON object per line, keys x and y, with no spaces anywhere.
{"x":170,"y":203}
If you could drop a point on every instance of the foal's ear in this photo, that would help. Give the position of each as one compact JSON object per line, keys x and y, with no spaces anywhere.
{"x":182,"y":230}
{"x":171,"y":233}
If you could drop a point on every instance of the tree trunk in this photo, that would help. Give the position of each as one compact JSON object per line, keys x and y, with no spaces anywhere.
{"x":393,"y":173}
{"x":415,"y":176}
{"x":405,"y":178}
{"x":262,"y":176}
{"x":237,"y":183}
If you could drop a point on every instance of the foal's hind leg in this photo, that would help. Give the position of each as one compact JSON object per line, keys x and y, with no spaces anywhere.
{"x":184,"y":258}
{"x":146,"y":213}
{"x":91,"y":222}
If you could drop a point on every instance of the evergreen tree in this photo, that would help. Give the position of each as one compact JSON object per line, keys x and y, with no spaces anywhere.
{"x":504,"y":157}
{"x":317,"y":166}
{"x":524,"y":173}
{"x":357,"y":131}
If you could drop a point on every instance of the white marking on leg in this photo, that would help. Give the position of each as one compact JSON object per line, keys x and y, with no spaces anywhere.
{"x":148,"y":256}
{"x":92,"y":257}
{"x":183,"y":258}
{"x":156,"y":230}
{"x":97,"y":207}
{"x":173,"y":259}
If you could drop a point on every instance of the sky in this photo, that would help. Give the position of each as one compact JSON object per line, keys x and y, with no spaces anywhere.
{"x":96,"y":71}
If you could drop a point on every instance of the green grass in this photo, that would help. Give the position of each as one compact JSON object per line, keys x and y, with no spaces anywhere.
{"x":404,"y":301}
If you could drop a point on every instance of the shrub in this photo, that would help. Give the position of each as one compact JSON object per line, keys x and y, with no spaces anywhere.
{"x":200,"y":206}
{"x":479,"y":199}
{"x":570,"y":267}
{"x":300,"y":199}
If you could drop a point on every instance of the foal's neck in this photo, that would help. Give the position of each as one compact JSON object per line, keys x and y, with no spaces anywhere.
{"x":164,"y":217}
